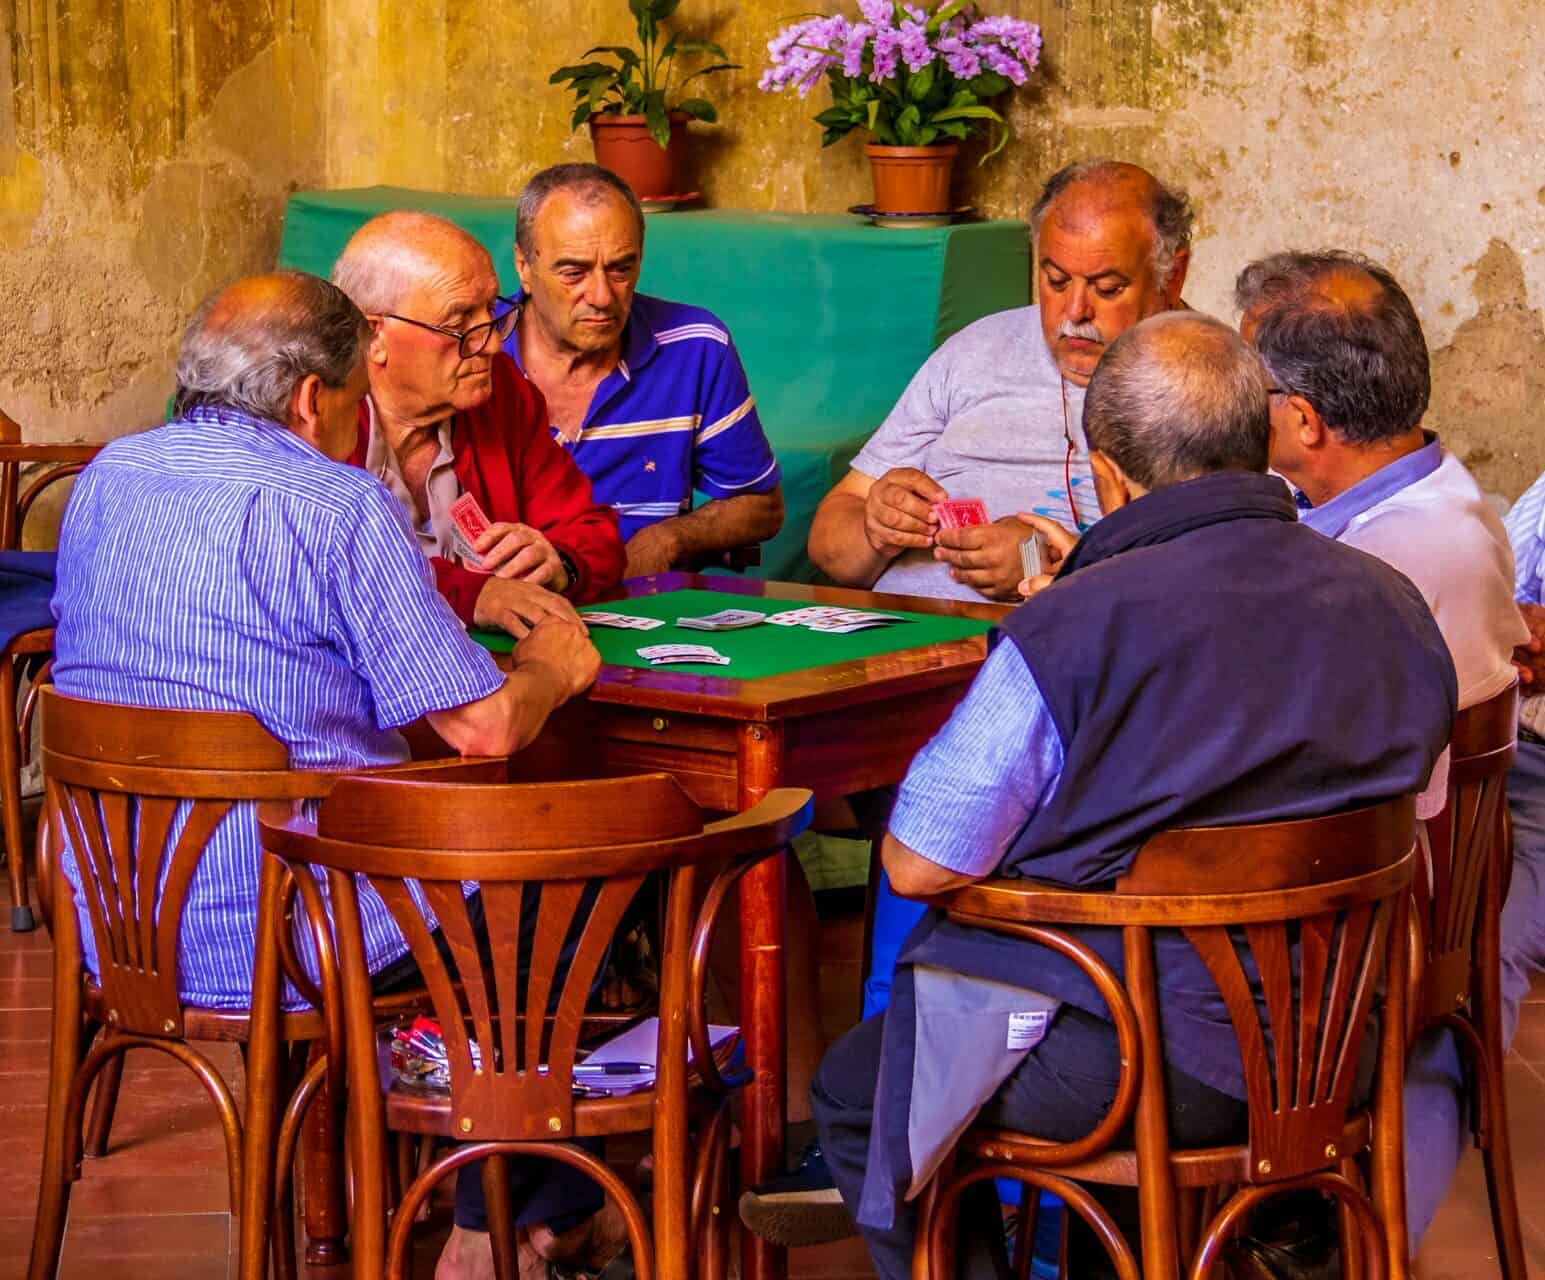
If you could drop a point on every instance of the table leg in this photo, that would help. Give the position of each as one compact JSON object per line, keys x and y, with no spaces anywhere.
{"x":763,"y":999}
{"x":321,"y":1173}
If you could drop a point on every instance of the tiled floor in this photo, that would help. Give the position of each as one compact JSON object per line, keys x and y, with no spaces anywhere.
{"x":156,"y":1208}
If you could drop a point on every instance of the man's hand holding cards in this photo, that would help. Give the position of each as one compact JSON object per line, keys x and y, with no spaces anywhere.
{"x":1053,"y":544}
{"x":504,"y":548}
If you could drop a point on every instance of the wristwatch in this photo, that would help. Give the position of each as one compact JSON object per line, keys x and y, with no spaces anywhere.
{"x":570,"y":571}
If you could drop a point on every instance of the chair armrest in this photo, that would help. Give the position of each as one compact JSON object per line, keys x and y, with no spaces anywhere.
{"x":453,"y":769}
{"x":57,"y":454}
{"x":783,"y":812}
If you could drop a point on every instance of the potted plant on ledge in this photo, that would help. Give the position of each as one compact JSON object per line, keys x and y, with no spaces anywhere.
{"x":919,"y":82}
{"x":635,"y":106}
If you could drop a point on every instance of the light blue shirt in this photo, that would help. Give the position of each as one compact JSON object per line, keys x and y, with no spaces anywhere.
{"x":977,"y":783}
{"x":1332,"y":517}
{"x":220,"y":563}
{"x":1526,"y":531}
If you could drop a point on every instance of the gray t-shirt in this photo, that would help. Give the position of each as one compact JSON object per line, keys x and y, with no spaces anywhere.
{"x":984,"y":417}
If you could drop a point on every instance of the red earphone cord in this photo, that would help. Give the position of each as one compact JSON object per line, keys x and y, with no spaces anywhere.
{"x":1067,"y":461}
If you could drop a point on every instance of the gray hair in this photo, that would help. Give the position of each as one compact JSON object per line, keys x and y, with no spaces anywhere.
{"x":588,"y":182}
{"x":250,"y":345}
{"x":1169,"y":206}
{"x":1176,"y":397}
{"x":1361,"y":361}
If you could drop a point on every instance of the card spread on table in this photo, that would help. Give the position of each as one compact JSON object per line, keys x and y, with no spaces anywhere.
{"x":660,"y":655}
{"x":622,"y":621}
{"x":834,"y":621}
{"x":469,"y":522}
{"x":960,"y":513}
{"x":724,"y":620}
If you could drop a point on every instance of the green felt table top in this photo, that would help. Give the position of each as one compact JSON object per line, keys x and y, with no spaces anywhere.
{"x":754,"y":652}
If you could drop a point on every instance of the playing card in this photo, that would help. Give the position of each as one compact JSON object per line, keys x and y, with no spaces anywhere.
{"x":470,"y":522}
{"x":838,"y":627}
{"x":463,"y":548}
{"x":724,"y":620}
{"x":960,"y":513}
{"x":622,"y":621}
{"x":661,"y":654}
{"x":1032,"y":555}
{"x":801,"y":617}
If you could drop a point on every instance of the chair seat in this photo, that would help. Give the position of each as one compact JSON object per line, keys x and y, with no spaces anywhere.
{"x":1197,"y":1167}
{"x":234,"y":1025}
{"x":428,"y":1112}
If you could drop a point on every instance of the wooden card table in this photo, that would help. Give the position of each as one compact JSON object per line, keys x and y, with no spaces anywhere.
{"x":794,"y":708}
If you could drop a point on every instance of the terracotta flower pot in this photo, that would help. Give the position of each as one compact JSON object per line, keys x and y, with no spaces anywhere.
{"x":624,"y":145}
{"x":912,"y":179}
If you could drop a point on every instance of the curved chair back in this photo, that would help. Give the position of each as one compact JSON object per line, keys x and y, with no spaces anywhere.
{"x":136,"y":793}
{"x":1469,"y":855}
{"x":510,"y":997}
{"x":1299,"y":924}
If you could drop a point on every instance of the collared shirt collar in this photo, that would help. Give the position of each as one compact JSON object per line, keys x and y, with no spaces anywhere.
{"x":1332,"y":518}
{"x":638,"y":339}
{"x":269,"y":429}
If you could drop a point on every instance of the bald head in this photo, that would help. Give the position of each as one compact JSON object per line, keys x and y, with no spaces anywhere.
{"x":1338,"y":330}
{"x":249,"y":346}
{"x":1091,"y":190}
{"x":397,"y":253}
{"x":1176,"y":397}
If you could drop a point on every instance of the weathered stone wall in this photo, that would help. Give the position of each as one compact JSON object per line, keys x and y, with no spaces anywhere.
{"x":1401,"y":128}
{"x":146,"y":148}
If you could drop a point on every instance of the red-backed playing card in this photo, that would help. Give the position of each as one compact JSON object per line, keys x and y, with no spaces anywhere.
{"x":960,"y":513}
{"x":471,"y":523}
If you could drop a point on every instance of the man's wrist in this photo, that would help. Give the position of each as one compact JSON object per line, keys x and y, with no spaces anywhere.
{"x":570,"y":572}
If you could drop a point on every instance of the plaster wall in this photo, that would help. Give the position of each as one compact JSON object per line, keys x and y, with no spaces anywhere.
{"x":146,"y":147}
{"x":1403,"y":129}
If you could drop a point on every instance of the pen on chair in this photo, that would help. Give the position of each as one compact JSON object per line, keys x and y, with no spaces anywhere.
{"x":612,"y":1068}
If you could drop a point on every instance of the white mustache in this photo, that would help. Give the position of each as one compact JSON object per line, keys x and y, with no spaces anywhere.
{"x":1067,"y":329}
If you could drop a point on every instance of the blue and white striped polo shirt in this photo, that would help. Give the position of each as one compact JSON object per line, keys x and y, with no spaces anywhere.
{"x":220,"y":563}
{"x":675,"y":415}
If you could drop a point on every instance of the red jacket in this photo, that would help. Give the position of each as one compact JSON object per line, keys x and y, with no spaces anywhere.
{"x":507,"y":459}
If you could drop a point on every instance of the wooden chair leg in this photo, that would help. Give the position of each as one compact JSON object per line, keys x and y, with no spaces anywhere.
{"x":22,"y":920}
{"x":1024,"y":1234}
{"x":322,"y":1191}
{"x":60,"y":1167}
{"x":501,"y":1217}
{"x":104,"y":1104}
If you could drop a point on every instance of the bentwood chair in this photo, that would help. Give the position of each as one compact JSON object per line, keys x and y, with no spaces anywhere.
{"x":1317,"y":909}
{"x":512,"y":1013}
{"x":1458,"y":905}
{"x":26,"y":650}
{"x":137,"y":793}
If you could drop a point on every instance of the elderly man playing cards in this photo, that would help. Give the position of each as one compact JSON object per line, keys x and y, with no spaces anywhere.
{"x":461,"y":439}
{"x":995,"y":413}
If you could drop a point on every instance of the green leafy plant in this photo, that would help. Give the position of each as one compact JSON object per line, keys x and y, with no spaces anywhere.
{"x":642,"y":81}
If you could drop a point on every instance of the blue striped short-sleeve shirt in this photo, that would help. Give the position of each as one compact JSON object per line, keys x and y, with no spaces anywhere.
{"x":220,"y":563}
{"x":676,"y":415}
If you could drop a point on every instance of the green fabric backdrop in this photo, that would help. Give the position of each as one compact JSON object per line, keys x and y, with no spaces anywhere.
{"x":831,"y":316}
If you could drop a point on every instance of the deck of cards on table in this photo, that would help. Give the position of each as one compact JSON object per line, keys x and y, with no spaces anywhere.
{"x":661,"y":655}
{"x":960,"y":513}
{"x":622,"y":621}
{"x":724,"y":620}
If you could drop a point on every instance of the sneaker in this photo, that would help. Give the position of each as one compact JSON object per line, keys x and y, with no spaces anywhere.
{"x":800,"y":1207}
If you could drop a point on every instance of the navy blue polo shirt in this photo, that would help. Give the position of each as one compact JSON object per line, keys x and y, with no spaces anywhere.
{"x":675,"y":415}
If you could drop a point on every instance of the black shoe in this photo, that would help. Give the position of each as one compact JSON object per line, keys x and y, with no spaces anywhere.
{"x":798,"y":1208}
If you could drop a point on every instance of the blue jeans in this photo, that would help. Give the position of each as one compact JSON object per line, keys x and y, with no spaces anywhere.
{"x":1437,"y":1126}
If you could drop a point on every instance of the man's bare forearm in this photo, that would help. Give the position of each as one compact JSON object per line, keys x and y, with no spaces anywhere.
{"x":838,"y":545}
{"x":741,"y":521}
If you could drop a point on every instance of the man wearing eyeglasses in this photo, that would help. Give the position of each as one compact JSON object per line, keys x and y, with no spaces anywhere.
{"x":449,"y":414}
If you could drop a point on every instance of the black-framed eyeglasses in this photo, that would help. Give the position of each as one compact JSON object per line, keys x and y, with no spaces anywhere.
{"x":471,"y":341}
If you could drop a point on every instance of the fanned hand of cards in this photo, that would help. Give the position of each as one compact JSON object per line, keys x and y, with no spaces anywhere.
{"x":833,"y":621}
{"x":960,"y":513}
{"x":663,"y":655}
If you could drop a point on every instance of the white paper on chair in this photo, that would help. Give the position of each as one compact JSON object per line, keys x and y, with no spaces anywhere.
{"x":636,"y":1045}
